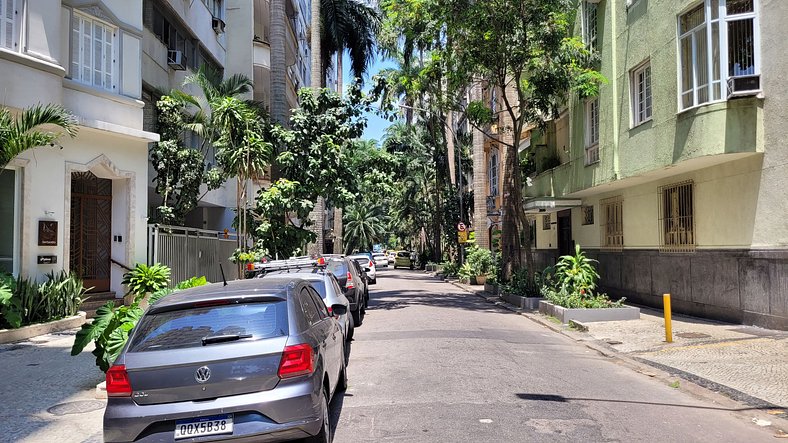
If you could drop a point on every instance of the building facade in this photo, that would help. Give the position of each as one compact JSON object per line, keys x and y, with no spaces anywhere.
{"x":80,"y":205}
{"x":672,"y":176}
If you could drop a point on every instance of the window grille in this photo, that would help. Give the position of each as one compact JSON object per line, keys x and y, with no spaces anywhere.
{"x":612,"y":223}
{"x":588,"y":215}
{"x":677,"y":217}
{"x":641,"y":94}
{"x":92,"y":52}
{"x":545,"y":223}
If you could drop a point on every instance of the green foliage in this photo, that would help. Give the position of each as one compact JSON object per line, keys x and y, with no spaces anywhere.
{"x":24,"y":302}
{"x":466,"y":272}
{"x":145,"y":279}
{"x":523,"y":284}
{"x":573,"y":284}
{"x":450,"y":268}
{"x":19,"y":133}
{"x":351,"y":25}
{"x":281,"y":215}
{"x":110,"y":329}
{"x":364,"y":227}
{"x":480,"y":260}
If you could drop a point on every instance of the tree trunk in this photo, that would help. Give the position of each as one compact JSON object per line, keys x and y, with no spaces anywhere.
{"x":338,"y":231}
{"x":317,"y":214}
{"x":511,"y":244}
{"x":339,"y":73}
{"x":278,"y":106}
{"x":479,"y":181}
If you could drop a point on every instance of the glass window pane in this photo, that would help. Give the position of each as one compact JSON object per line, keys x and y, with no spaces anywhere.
{"x":686,"y":64}
{"x":7,"y":219}
{"x":741,"y":47}
{"x":692,"y":19}
{"x":701,"y":65}
{"x":739,"y":6}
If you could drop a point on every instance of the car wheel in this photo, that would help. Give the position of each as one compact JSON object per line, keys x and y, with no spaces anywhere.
{"x":375,"y":281}
{"x":342,"y":382}
{"x":351,"y":329}
{"x":357,"y":316}
{"x":325,"y":429}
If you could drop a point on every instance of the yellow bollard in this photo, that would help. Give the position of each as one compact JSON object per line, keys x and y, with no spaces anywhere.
{"x":668,"y":324}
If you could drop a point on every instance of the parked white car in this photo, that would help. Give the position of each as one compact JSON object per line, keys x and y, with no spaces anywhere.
{"x":368,"y":265}
{"x":381,"y":260}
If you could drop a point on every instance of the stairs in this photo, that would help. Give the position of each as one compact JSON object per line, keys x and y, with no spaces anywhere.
{"x":97,"y":299}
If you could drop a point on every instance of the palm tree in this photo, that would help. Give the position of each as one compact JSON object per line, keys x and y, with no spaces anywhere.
{"x":278,"y":64}
{"x":23,"y":132}
{"x":365,"y":225}
{"x":348,"y":25}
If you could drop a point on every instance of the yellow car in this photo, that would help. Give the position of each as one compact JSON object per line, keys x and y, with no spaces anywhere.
{"x":402,"y":260}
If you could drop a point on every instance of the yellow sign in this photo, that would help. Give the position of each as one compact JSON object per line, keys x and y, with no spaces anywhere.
{"x":462,"y":236}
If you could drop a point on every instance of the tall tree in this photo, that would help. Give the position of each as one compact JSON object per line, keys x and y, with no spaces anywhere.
{"x":25,"y":131}
{"x":348,"y":25}
{"x":278,"y":79}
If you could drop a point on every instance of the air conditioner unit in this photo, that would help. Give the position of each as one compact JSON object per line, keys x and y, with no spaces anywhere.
{"x":744,"y":85}
{"x":176,"y":60}
{"x":218,"y":25}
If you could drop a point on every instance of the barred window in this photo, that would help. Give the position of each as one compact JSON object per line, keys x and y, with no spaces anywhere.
{"x":677,"y":217}
{"x":588,"y":215}
{"x":545,"y":223}
{"x":612,"y":223}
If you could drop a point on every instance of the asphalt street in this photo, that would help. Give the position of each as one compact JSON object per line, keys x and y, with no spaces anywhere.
{"x":433,"y":364}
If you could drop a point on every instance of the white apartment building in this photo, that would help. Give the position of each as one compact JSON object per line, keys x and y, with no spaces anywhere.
{"x":82,"y":204}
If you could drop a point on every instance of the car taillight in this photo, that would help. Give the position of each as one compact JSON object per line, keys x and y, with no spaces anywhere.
{"x":350,"y":284}
{"x":330,"y":311}
{"x":118,"y":384}
{"x":296,"y":360}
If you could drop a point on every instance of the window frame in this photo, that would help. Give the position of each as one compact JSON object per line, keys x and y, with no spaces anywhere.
{"x":15,"y":23}
{"x":591,"y":128}
{"x":611,"y":239}
{"x":546,"y":222}
{"x":492,"y":179}
{"x":586,"y":215}
{"x":635,"y":92}
{"x":115,"y":48}
{"x":721,"y":20}
{"x":16,"y":250}
{"x":590,"y":39}
{"x":674,"y":240}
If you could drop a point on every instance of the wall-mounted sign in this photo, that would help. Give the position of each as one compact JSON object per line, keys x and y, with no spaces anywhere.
{"x":47,"y":259}
{"x":47,"y":233}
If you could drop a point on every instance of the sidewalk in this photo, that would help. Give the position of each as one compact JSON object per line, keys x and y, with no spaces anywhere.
{"x":745,"y":363}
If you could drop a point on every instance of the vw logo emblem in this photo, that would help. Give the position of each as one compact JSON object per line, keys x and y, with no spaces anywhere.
{"x":203,"y":374}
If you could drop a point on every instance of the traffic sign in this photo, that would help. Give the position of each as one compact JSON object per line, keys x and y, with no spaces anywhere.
{"x":461,"y":227}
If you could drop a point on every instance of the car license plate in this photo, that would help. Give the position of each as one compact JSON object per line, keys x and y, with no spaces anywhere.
{"x":198,"y":427}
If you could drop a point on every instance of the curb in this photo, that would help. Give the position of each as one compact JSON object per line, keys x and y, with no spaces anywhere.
{"x":30,"y":331}
{"x":699,"y":387}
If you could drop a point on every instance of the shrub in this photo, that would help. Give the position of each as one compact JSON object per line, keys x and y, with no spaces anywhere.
{"x":522,"y":285}
{"x":450,"y":269}
{"x":111,"y":328}
{"x":466,"y":271}
{"x":573,"y":283}
{"x":147,"y":279}
{"x":24,"y":302}
{"x":480,"y":260}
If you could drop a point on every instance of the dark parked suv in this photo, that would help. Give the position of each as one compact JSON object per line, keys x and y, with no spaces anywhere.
{"x":352,"y":281}
{"x":253,"y":361}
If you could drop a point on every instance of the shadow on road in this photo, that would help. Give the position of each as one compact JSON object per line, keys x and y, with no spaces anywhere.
{"x":561,"y":399}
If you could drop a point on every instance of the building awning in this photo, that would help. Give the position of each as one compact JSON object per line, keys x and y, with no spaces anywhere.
{"x":543,"y":205}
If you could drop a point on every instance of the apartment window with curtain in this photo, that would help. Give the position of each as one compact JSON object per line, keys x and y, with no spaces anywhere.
{"x":93,"y":52}
{"x":9,"y":24}
{"x":492,"y":173}
{"x":592,"y":131}
{"x":589,"y":24}
{"x":640,"y":81}
{"x":718,"y":51}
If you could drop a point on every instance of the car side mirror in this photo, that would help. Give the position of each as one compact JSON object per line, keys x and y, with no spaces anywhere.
{"x":339,"y":309}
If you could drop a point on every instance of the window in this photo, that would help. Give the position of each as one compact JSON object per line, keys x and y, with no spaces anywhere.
{"x":588,"y":215}
{"x":612,"y":223}
{"x":718,"y":43}
{"x":589,"y":23}
{"x":308,"y":306}
{"x":592,"y":131}
{"x":545,"y":223}
{"x":93,"y":46}
{"x":215,"y":6}
{"x":9,"y":26}
{"x":677,"y":217}
{"x":640,"y":82}
{"x":492,"y":172}
{"x":9,"y":220}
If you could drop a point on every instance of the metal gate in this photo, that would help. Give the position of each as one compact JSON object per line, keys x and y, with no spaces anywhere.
{"x":191,"y":252}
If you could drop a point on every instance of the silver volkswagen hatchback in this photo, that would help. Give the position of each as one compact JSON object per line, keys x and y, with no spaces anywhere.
{"x":254,"y":361}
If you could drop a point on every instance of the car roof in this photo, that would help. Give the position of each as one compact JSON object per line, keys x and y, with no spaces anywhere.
{"x":257,"y":289}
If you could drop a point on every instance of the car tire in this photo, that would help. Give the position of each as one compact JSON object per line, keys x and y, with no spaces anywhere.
{"x":342,"y":382}
{"x":375,"y":281}
{"x":324,"y":436}
{"x":351,"y":329}
{"x":357,"y":320}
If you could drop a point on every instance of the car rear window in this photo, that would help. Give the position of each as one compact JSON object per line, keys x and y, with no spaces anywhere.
{"x":361,"y":260}
{"x":403,"y":254}
{"x":337,"y":267}
{"x":186,"y":328}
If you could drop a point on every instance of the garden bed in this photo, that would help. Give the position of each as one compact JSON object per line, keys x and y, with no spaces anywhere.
{"x":589,"y":315}
{"x":522,"y":302}
{"x":25,"y":332}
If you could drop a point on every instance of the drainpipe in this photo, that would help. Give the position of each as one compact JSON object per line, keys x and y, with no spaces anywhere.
{"x":614,"y":68}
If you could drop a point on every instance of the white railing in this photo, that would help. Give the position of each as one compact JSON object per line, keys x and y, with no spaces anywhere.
{"x":191,"y":252}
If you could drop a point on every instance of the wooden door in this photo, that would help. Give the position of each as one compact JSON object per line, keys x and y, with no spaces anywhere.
{"x":565,"y":243}
{"x":91,"y":227}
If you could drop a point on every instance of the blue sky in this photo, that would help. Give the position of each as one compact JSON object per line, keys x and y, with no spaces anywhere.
{"x":376,"y":126}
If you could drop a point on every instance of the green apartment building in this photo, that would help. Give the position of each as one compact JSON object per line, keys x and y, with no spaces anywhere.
{"x":676,"y":176}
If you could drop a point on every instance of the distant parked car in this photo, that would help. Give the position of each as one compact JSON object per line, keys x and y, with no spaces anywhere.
{"x":381,"y":260}
{"x":352,"y":282}
{"x":254,"y":360}
{"x":403,"y":260}
{"x":392,"y":255}
{"x":368,"y":265}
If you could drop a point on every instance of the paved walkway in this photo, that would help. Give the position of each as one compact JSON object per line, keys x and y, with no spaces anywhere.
{"x":745,"y":363}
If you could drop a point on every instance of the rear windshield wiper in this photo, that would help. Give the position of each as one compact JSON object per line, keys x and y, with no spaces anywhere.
{"x":223,"y":338}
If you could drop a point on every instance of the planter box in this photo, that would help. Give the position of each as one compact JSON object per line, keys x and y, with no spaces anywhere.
{"x":432,"y":268}
{"x":25,"y":332}
{"x":589,"y":315}
{"x":492,"y":288}
{"x":521,"y":301}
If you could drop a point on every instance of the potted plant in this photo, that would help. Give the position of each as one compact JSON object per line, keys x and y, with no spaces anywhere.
{"x":571,"y":293}
{"x":481,"y":263}
{"x":144,"y":280}
{"x":465,"y":273}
